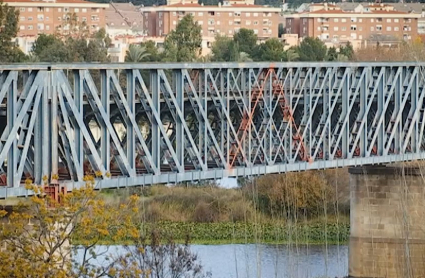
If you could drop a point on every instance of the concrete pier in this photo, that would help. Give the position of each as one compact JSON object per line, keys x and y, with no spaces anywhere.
{"x":387,"y":220}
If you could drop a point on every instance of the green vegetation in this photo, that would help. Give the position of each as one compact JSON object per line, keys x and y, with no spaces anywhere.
{"x":307,"y":207}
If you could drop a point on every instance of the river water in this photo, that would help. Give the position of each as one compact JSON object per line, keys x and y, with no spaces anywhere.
{"x":269,"y":261}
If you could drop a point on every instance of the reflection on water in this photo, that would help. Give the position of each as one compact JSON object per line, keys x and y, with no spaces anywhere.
{"x":267,"y":261}
{"x":249,"y":260}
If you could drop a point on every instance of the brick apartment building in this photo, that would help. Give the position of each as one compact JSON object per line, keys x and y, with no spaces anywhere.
{"x":223,"y":19}
{"x":332,"y":24}
{"x":48,"y":17}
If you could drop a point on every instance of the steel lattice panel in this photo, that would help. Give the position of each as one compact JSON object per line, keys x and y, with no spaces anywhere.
{"x":167,"y":123}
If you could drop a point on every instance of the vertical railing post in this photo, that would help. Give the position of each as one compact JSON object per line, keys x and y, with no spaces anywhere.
{"x":78,"y":140}
{"x":180,"y":140}
{"x":105,"y":139}
{"x":131,"y":150}
{"x":54,"y":123}
{"x":12,"y":159}
{"x":155,"y":132}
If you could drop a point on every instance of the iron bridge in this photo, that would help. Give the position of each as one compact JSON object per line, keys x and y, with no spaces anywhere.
{"x":139,"y":124}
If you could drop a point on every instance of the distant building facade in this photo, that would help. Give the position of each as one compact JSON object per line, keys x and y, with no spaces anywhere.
{"x":51,"y":16}
{"x":223,"y":19}
{"x":377,"y":22}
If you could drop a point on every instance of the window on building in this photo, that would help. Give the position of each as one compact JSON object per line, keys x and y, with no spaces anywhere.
{"x":230,"y":14}
{"x":76,"y":10}
{"x":30,"y":9}
{"x":59,"y":18}
{"x":174,"y":13}
{"x":336,"y":28}
{"x":407,"y":20}
{"x":255,"y":22}
{"x":388,"y":28}
{"x":218,"y":22}
{"x":230,"y":31}
{"x":255,"y":31}
{"x":396,"y":20}
{"x":40,"y":9}
{"x":353,"y":28}
{"x":22,"y":18}
{"x":372,"y":28}
{"x":353,"y":19}
{"x":230,"y":22}
{"x":247,"y":14}
{"x":378,"y":27}
{"x":388,"y":20}
{"x":267,"y":14}
{"x":40,"y":17}
{"x":22,"y":27}
{"x":360,"y":28}
{"x":199,"y":14}
{"x":336,"y":19}
{"x":84,"y":10}
{"x":211,"y":22}
{"x":237,"y":13}
{"x":95,"y":10}
{"x":175,"y":23}
{"x":396,"y":29}
{"x":372,"y":20}
{"x":30,"y":27}
{"x":94,"y":18}
{"x":360,"y":20}
{"x":255,"y":14}
{"x":211,"y":13}
{"x":47,"y":27}
{"x":66,"y":10}
{"x":59,"y":9}
{"x":30,"y":18}
{"x":379,"y":19}
{"x":40,"y":26}
{"x":343,"y":20}
{"x":248,"y":22}
{"x":343,"y":28}
{"x":22,"y":9}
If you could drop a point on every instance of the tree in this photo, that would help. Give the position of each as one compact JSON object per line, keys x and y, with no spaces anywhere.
{"x":347,"y":51}
{"x":152,"y":50}
{"x":292,"y":55}
{"x":162,"y":260}
{"x":184,"y":43}
{"x":49,"y":48}
{"x":43,"y":249}
{"x":246,"y":40}
{"x":312,"y":49}
{"x":9,"y":52}
{"x":332,"y":54}
{"x":224,"y":49}
{"x":271,"y":50}
{"x":136,"y":54}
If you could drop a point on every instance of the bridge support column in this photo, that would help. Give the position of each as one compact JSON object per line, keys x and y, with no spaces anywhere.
{"x":387,"y":237}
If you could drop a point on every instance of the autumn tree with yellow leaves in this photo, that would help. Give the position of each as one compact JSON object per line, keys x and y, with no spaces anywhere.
{"x":38,"y":235}
{"x":46,"y":238}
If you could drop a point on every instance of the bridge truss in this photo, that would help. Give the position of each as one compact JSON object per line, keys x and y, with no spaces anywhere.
{"x":135,"y":124}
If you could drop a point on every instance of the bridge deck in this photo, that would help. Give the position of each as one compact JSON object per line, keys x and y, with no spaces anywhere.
{"x":134,"y":124}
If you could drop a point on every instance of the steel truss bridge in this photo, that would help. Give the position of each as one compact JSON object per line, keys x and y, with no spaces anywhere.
{"x":136,"y":124}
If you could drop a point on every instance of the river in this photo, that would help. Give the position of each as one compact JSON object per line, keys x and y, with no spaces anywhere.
{"x":269,"y":261}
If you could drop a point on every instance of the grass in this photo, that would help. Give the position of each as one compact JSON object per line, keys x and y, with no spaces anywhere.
{"x":264,"y":213}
